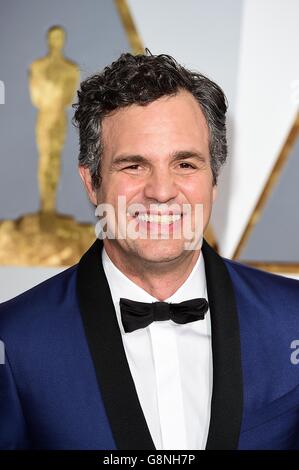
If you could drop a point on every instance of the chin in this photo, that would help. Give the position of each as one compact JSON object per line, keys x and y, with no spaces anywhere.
{"x":159,"y":251}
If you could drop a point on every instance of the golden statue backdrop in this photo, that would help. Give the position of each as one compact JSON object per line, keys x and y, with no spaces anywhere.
{"x":47,"y":238}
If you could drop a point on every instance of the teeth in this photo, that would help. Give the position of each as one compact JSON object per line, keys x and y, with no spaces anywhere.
{"x":159,"y":219}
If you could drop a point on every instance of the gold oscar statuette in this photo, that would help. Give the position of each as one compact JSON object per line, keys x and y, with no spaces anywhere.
{"x":46,"y":237}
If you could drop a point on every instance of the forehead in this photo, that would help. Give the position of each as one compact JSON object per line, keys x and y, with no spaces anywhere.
{"x":168,"y":121}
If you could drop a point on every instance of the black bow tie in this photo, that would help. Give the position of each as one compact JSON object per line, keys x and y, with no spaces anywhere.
{"x":135,"y":315}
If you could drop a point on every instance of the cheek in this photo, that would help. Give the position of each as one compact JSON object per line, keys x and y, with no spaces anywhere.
{"x":120,"y":186}
{"x":199,"y":190}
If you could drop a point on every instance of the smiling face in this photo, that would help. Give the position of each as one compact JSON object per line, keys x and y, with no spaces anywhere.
{"x":155,"y":155}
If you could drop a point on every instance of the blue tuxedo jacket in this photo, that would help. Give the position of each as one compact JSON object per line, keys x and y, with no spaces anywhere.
{"x":66,"y":383}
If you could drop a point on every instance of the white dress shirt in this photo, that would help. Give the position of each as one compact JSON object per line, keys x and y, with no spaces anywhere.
{"x":171,"y":364}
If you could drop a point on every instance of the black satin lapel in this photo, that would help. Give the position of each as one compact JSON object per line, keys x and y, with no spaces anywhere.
{"x":227,"y":396}
{"x":117,"y":387}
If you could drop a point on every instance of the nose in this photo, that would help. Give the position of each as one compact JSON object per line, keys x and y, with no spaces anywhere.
{"x":161,"y":186}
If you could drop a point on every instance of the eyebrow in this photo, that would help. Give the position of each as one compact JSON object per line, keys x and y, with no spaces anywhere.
{"x":179,"y":155}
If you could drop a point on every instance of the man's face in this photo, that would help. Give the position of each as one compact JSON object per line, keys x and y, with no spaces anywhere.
{"x":156,"y":155}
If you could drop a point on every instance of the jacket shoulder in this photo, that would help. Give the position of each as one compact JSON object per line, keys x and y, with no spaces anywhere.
{"x":38,"y":302}
{"x":263,"y":295}
{"x":244,"y":274}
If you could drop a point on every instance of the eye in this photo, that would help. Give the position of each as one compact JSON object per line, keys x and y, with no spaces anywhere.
{"x":132,"y":167}
{"x":186,"y":165}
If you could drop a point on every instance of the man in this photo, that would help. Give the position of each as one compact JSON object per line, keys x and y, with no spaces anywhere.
{"x":151,"y":341}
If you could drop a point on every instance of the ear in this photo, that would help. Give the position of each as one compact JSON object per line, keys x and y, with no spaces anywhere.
{"x":86,"y":178}
{"x":215,"y":192}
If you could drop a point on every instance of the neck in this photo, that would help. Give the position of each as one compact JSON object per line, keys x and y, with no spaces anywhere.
{"x":55,"y":53}
{"x":159,"y":279}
